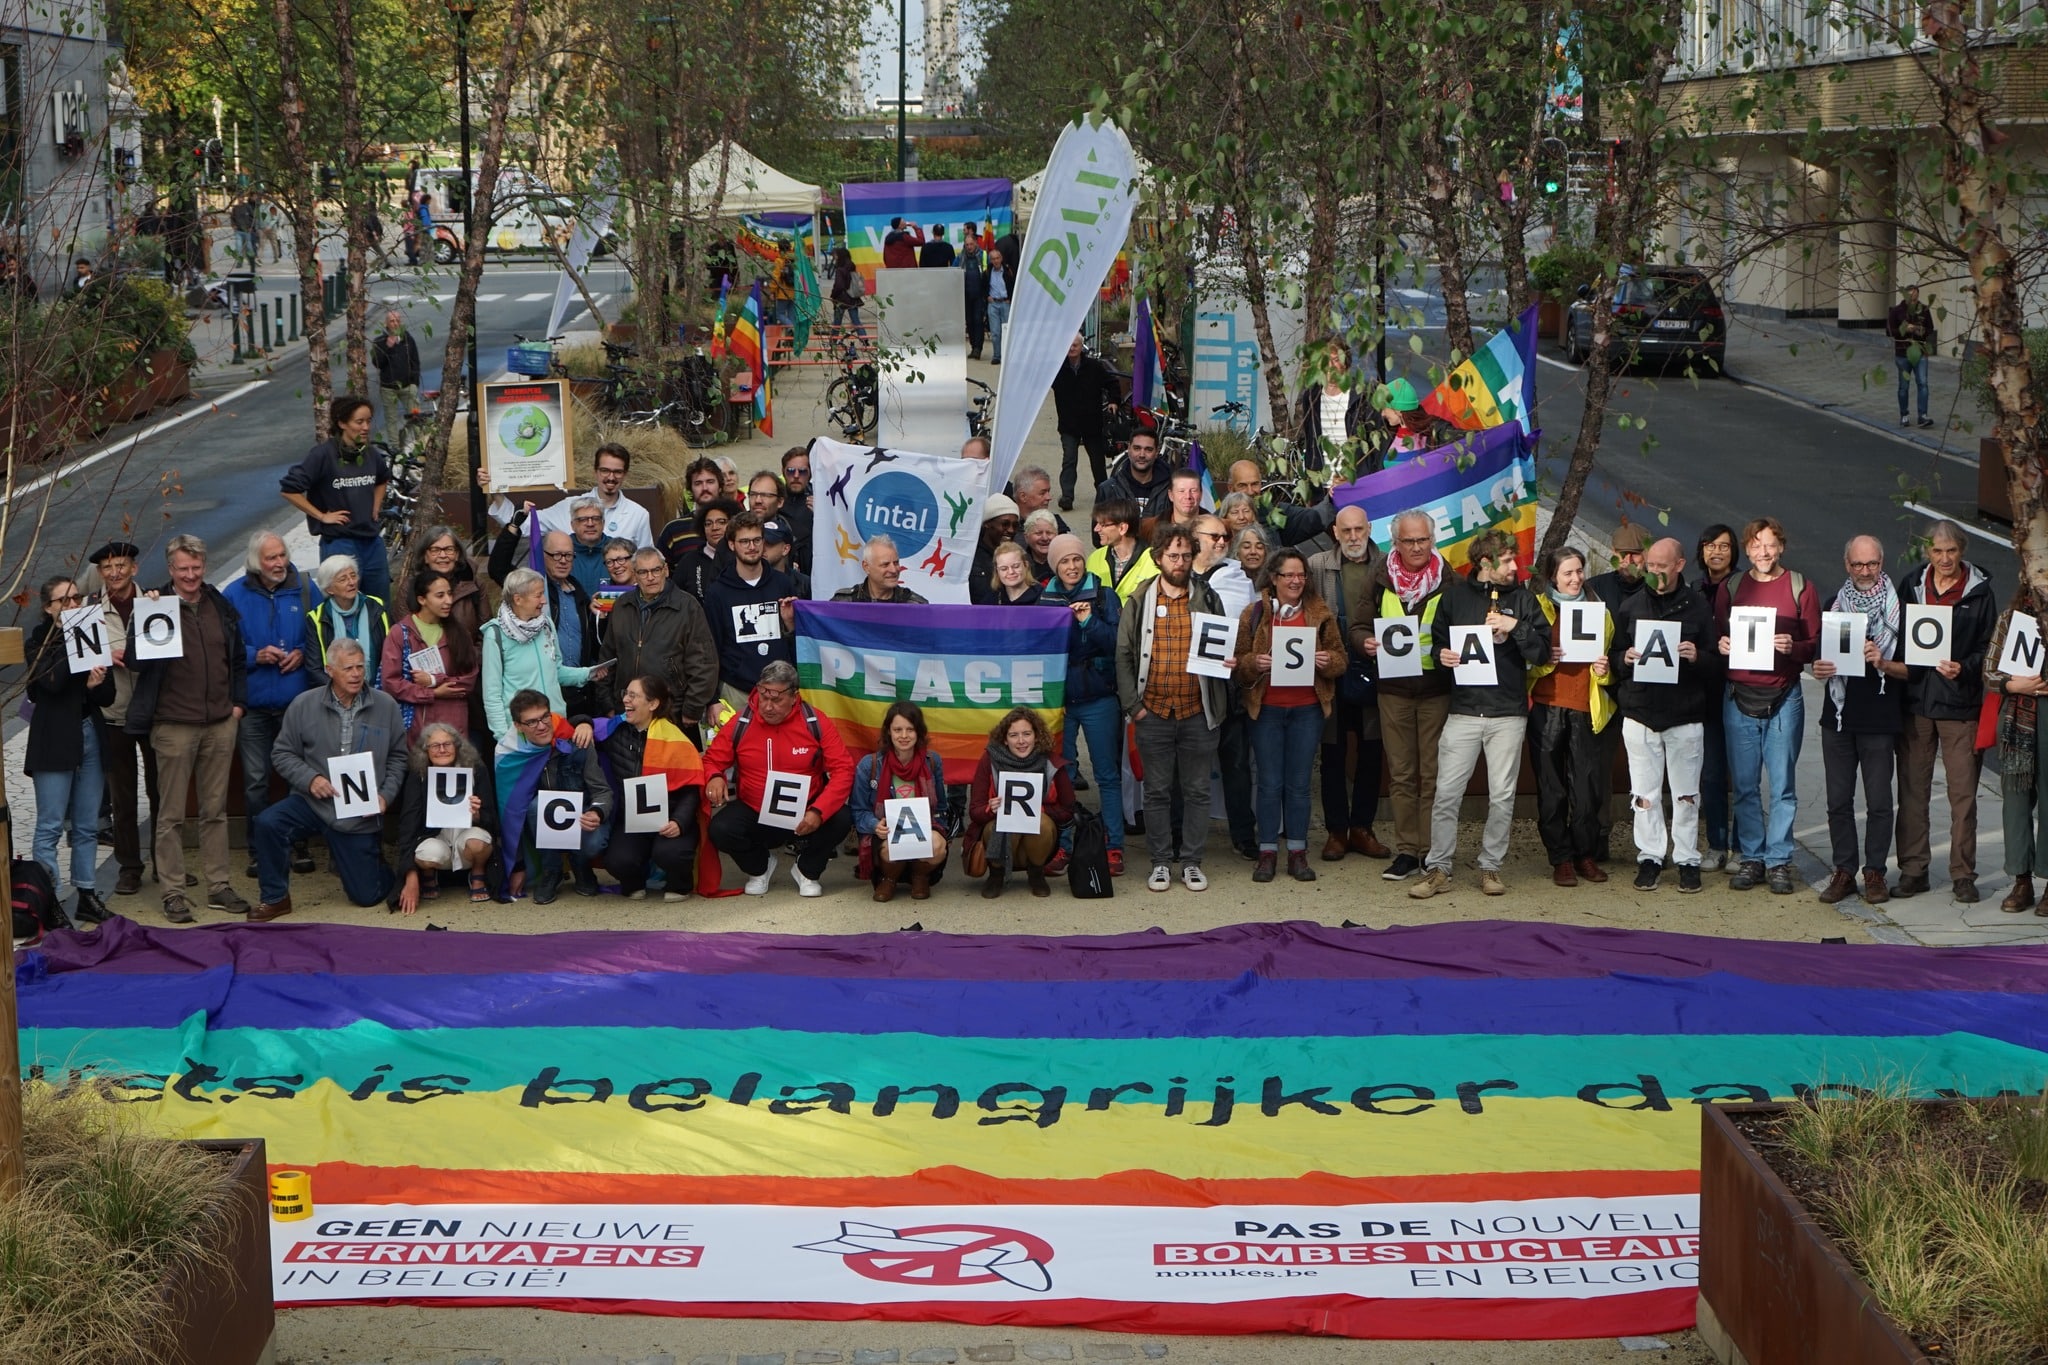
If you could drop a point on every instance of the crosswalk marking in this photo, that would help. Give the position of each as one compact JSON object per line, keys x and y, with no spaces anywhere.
{"x":535,"y":298}
{"x":489,"y":298}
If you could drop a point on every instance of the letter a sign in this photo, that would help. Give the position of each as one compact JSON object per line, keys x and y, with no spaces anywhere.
{"x":909,"y":822}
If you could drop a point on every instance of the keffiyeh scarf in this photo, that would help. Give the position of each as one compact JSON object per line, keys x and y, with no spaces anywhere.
{"x":1880,"y":606}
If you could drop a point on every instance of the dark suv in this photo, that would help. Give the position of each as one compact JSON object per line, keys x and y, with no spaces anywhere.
{"x":1662,"y":313}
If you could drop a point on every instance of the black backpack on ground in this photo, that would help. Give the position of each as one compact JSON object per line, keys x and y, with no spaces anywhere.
{"x":36,"y":907}
{"x":1088,"y":862}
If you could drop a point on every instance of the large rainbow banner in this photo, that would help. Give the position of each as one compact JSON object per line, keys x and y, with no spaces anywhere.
{"x":950,"y":203}
{"x":1482,"y":1130}
{"x":963,"y":666}
{"x":1485,"y":479}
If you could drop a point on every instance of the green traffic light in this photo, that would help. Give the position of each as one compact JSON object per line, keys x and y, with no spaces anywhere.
{"x":1550,"y":187}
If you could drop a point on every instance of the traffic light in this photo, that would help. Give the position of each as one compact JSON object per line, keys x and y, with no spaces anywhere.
{"x":1551,"y":167}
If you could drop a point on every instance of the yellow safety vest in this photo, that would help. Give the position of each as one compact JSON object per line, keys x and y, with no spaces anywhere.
{"x":1390,"y":605}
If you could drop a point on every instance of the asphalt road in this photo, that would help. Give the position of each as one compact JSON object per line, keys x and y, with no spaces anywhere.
{"x":214,"y":473}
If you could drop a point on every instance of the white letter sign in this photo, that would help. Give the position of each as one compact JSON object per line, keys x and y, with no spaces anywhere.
{"x":1474,"y":647}
{"x":907,"y":828}
{"x":1656,"y":652}
{"x":1841,"y":641}
{"x":1400,"y":653}
{"x":448,"y":798}
{"x":1210,"y":641}
{"x":1750,"y":638}
{"x":159,"y":631}
{"x":557,"y":820}
{"x":1927,"y":634}
{"x":86,"y":642}
{"x":354,"y":778}
{"x":1020,"y":800}
{"x":2021,"y":657}
{"x":646,"y":801}
{"x":784,"y":798}
{"x":1294,"y":656}
{"x":1583,"y":631}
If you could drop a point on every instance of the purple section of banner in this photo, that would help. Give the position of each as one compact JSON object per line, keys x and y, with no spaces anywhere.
{"x":1428,"y":478}
{"x":1299,"y":951}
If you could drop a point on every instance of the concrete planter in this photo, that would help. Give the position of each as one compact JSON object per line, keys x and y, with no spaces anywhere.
{"x":1774,"y":1287}
{"x":228,"y":1320}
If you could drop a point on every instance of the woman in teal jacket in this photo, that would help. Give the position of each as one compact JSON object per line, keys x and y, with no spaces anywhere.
{"x":520,"y":651}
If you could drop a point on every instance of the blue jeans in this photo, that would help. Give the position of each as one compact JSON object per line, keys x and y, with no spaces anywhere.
{"x":1916,"y":370}
{"x":998,"y":316}
{"x":1102,"y":721}
{"x":75,"y":794}
{"x":1284,"y":744}
{"x":841,"y":315}
{"x":1765,"y":751}
{"x":1714,"y":780}
{"x":545,"y":865}
{"x":371,"y":565}
{"x":358,"y":858}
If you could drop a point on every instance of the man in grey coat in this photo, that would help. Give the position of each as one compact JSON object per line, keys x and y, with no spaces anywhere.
{"x":337,"y":720}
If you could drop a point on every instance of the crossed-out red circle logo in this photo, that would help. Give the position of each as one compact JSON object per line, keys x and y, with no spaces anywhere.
{"x":942,"y":1255}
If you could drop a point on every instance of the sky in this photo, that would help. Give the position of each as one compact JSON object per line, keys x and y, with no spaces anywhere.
{"x":878,"y":51}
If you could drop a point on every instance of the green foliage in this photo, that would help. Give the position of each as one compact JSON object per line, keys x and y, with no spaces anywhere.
{"x":1976,"y":372}
{"x":1559,"y":272}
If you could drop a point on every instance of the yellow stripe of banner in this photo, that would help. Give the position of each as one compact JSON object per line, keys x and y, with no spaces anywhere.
{"x":494,"y":1131}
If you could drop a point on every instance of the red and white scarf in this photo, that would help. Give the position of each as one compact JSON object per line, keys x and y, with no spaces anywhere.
{"x":1414,"y":585}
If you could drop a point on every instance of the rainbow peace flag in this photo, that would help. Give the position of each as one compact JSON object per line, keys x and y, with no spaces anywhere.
{"x":1485,"y":480}
{"x":1497,"y":384}
{"x":1480,"y":1130}
{"x":965,"y":666}
{"x":744,"y":341}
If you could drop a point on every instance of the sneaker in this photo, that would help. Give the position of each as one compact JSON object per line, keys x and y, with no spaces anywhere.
{"x":1490,"y":883}
{"x":1161,"y":877}
{"x":1688,"y":879}
{"x":1116,"y":862}
{"x":1058,"y":863}
{"x":586,"y":882}
{"x":804,"y":885}
{"x":1435,"y":884}
{"x":1404,"y":866}
{"x":1926,"y":421}
{"x":177,"y":909}
{"x":1724,"y":860}
{"x":1746,"y":877}
{"x":225,"y":898}
{"x":128,"y":881}
{"x":1647,"y":873}
{"x":758,"y":886}
{"x":1780,"y":878}
{"x":1192,"y":877}
{"x":1904,"y":420}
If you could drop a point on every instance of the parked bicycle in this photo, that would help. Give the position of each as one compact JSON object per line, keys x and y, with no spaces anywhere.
{"x":981,"y":408}
{"x":853,"y":397}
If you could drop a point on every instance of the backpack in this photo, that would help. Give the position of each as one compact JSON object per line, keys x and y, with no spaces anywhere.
{"x":1088,"y":861}
{"x":856,"y":287}
{"x":36,"y":908}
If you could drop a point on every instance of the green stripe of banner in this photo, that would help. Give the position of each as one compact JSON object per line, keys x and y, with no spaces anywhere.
{"x":994,"y":696}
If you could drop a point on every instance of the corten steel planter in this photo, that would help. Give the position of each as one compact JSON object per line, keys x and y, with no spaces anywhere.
{"x":1994,"y":494}
{"x":228,"y":1319}
{"x":1774,"y":1287}
{"x":170,"y":379}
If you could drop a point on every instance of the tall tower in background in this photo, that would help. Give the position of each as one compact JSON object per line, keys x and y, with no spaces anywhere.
{"x":943,"y":96}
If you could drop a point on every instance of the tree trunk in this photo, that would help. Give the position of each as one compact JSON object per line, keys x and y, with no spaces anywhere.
{"x":1446,"y":237}
{"x":1321,"y":284}
{"x":462,"y":319}
{"x":1262,"y":315}
{"x":300,"y":186}
{"x":355,"y":199}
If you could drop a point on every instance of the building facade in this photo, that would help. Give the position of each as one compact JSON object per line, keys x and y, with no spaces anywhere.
{"x":65,"y":145}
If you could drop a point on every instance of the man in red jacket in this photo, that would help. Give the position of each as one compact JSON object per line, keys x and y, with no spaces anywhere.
{"x":778,"y":738}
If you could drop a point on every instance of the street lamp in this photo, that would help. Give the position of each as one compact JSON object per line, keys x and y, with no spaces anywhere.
{"x":902,"y":85}
{"x":464,"y":11}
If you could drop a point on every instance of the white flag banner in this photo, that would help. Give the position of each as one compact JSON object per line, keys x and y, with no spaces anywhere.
{"x":930,"y":505}
{"x":591,"y":227}
{"x":1078,"y":225}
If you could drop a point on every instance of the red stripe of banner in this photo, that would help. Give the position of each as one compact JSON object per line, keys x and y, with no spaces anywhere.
{"x":1652,"y":1310}
{"x":348,"y":1183}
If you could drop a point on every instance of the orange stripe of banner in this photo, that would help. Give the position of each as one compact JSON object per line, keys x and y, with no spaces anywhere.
{"x":348,"y":1183}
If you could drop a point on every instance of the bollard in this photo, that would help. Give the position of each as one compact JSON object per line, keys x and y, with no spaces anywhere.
{"x":296,"y":320}
{"x":263,"y":316}
{"x":277,"y":322}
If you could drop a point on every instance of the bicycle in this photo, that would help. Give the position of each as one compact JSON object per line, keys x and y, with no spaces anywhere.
{"x":981,"y":408}
{"x":853,"y":397}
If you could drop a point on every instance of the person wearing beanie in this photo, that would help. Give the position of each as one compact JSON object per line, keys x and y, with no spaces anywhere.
{"x":999,"y":521}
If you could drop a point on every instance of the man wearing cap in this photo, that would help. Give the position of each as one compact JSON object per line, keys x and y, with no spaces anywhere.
{"x":765,"y":495}
{"x":999,"y":522}
{"x":114,"y":564}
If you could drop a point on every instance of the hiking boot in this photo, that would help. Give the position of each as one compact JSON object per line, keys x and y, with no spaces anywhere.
{"x":885,"y":888}
{"x":1909,"y":884}
{"x":1490,"y":883}
{"x":1746,"y":877}
{"x":2020,"y":899}
{"x":920,"y":883}
{"x":1269,"y":866}
{"x":1780,"y":878}
{"x":1335,"y":847}
{"x":1965,"y":890}
{"x":128,"y":881}
{"x":1564,"y":874}
{"x":177,"y":909}
{"x":90,"y":909}
{"x":1404,"y":866}
{"x":1435,"y":884}
{"x":226,"y":899}
{"x":1839,"y":888}
{"x":1688,"y":880}
{"x":1366,"y":842}
{"x":1297,"y":865}
{"x":1873,"y":888}
{"x":1591,"y":871}
{"x":1648,"y":871}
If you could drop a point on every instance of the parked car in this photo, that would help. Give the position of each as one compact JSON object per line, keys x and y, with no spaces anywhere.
{"x":1662,"y":313}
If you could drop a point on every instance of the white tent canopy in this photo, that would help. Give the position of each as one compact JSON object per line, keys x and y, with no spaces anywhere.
{"x":751,"y":185}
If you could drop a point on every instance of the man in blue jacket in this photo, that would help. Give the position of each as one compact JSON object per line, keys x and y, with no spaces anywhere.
{"x":273,"y":598}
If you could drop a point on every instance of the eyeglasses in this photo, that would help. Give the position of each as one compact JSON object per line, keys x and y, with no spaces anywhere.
{"x":531,"y":722}
{"x":67,"y":597}
{"x":1289,"y":577}
{"x":441,"y":746}
{"x":1416,"y":540}
{"x":1866,"y":563}
{"x":657,"y":571}
{"x":592,"y":520}
{"x":611,"y":561}
{"x":440,"y":549}
{"x":1212,"y":535}
{"x":559,"y":554}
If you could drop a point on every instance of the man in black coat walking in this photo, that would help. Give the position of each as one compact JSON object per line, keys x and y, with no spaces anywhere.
{"x":1081,"y":392}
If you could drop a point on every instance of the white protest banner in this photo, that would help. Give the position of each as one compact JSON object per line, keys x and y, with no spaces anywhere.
{"x":1211,"y":639}
{"x":354,"y":779}
{"x":1078,"y":225}
{"x":646,"y":801}
{"x":2021,"y":655}
{"x":558,"y":820}
{"x":907,"y":828}
{"x":1841,"y":641}
{"x":1583,"y":631}
{"x":928,"y":505}
{"x":159,"y":630}
{"x":448,"y":796}
{"x":1294,"y":656}
{"x":1400,"y":644}
{"x":593,"y":224}
{"x":784,"y":798}
{"x":1657,"y":651}
{"x":1928,"y":630}
{"x":1750,"y":638}
{"x":87,"y":643}
{"x":1474,"y":647}
{"x":1020,"y":801}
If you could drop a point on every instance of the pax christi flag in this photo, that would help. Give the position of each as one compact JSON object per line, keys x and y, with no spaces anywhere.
{"x":744,"y":342}
{"x":1498,"y":383}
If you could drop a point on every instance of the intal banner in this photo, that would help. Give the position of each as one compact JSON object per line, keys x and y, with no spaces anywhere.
{"x":929,"y":505}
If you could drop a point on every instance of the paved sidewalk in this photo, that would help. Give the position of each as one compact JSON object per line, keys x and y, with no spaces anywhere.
{"x":1849,"y":372}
